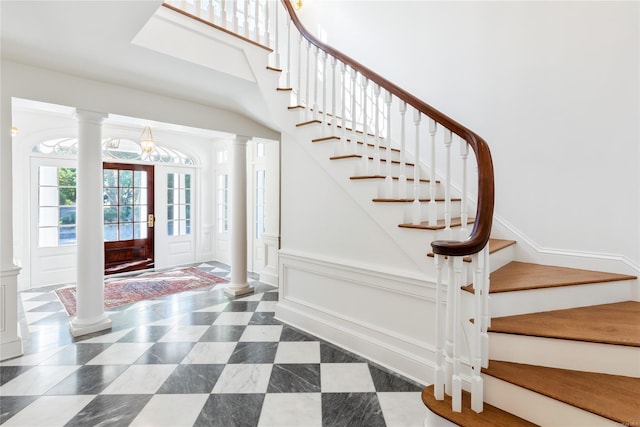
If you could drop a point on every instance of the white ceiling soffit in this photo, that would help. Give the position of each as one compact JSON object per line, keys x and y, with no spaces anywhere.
{"x":93,"y":39}
{"x":165,"y":33}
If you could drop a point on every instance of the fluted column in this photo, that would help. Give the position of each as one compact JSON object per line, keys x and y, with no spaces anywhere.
{"x":239,"y":285}
{"x":90,"y":316}
{"x":10,"y":341}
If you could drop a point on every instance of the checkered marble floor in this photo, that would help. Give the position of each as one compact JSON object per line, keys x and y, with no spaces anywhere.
{"x":196,"y":358}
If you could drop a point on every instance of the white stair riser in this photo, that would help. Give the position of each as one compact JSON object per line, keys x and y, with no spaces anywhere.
{"x":565,"y":354}
{"x":558,"y":298}
{"x":502,"y":257}
{"x":537,"y":408}
{"x":424,"y":211}
{"x":409,"y":191}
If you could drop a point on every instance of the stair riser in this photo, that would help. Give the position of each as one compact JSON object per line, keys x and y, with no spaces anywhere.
{"x":562,"y":297}
{"x":538,"y":408}
{"x":397,"y":192}
{"x":565,"y":354}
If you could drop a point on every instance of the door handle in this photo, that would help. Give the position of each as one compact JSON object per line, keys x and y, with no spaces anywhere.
{"x":150,"y":220}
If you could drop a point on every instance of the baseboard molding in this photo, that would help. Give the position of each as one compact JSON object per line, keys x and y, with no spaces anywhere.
{"x":528,"y":250}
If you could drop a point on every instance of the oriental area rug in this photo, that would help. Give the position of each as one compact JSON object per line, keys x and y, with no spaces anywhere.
{"x":128,"y":290}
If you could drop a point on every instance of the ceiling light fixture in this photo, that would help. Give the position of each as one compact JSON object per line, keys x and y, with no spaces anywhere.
{"x":146,"y":140}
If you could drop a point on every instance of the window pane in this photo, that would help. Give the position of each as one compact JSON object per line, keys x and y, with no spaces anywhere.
{"x":140,"y":179}
{"x":126,"y":214}
{"x":48,"y":217}
{"x":140,"y":196}
{"x":67,"y":235}
{"x":67,"y":177}
{"x":126,"y":178}
{"x":110,"y":214}
{"x":170,"y":178}
{"x":110,"y":196}
{"x":180,"y":180}
{"x":48,"y":196}
{"x":183,"y":227}
{"x":187,"y":181}
{"x":67,"y":196}
{"x":180,"y":196}
{"x":188,"y":226}
{"x":182,"y":211}
{"x":170,"y":228}
{"x":111,"y":233}
{"x":126,"y":196}
{"x":67,"y":215}
{"x":170,"y":213}
{"x":48,"y":237}
{"x":110,"y":178}
{"x":48,"y":175}
{"x":170,"y":196}
{"x":188,"y":211}
{"x":140,"y":213}
{"x":126,"y":231}
{"x":187,"y":196}
{"x":140,"y":230}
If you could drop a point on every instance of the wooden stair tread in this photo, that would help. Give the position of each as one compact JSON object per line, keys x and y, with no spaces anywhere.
{"x":335,"y":137}
{"x":438,"y":199}
{"x":519,"y":276}
{"x":424,"y":225}
{"x":489,"y":417}
{"x":610,"y":396}
{"x":395,"y":178}
{"x":494,"y":246}
{"x":359,"y":156}
{"x":616,"y":323}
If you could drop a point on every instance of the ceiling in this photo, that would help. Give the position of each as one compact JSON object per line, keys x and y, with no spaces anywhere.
{"x":93,"y":39}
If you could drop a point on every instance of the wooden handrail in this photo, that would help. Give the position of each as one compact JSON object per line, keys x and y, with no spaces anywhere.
{"x":484,"y":211}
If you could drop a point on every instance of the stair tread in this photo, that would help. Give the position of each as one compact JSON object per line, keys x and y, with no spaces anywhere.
{"x":359,"y":156}
{"x":424,"y":225}
{"x":395,"y":178}
{"x":611,"y":396}
{"x":494,"y":246}
{"x":489,"y":417}
{"x":438,"y":199}
{"x":519,"y":276}
{"x":616,"y":323}
{"x":336,"y":137}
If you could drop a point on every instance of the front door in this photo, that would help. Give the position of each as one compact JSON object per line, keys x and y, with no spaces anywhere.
{"x":128,"y":217}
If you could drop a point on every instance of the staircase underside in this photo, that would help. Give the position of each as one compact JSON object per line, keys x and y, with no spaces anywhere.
{"x":610,"y":396}
{"x":489,"y":417}
{"x":617,"y":324}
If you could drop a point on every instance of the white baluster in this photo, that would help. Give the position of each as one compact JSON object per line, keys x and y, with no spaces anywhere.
{"x":449,"y":320}
{"x":245,"y":12}
{"x":376,"y":137}
{"x":307,"y":98}
{"x":236,"y":24}
{"x":299,"y":87}
{"x":316,"y":70}
{"x":256,"y":31}
{"x":212,"y":14}
{"x":402,"y":179}
{"x":354,"y":134}
{"x":438,"y":388}
{"x":447,"y":189}
{"x":197,"y":8}
{"x":343,"y":101}
{"x":433,"y":206}
{"x":417,"y":117}
{"x":464,"y":216}
{"x":486,"y":315}
{"x":324,"y":91}
{"x":334,"y":95}
{"x":456,"y":381}
{"x":287,"y":72}
{"x":476,"y":362}
{"x":223,"y":14}
{"x":267,"y":27}
{"x":365,"y":130}
{"x":388,"y":179}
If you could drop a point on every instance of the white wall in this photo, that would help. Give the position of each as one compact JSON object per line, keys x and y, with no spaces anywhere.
{"x":553,"y":88}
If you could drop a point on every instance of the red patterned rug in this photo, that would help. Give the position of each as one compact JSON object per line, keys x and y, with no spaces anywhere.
{"x":128,"y":290}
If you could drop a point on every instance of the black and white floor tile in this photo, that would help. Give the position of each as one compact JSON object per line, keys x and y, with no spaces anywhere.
{"x":198,"y":358}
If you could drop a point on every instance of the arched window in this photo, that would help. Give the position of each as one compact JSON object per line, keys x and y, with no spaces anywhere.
{"x":116,"y":149}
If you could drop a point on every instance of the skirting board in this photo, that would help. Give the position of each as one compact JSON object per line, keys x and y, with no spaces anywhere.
{"x":385,"y":318}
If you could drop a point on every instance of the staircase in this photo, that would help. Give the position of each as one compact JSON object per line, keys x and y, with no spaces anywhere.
{"x":564,"y":343}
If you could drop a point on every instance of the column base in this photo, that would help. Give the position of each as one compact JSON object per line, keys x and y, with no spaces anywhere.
{"x":11,"y":348}
{"x":237,"y":290}
{"x":78,"y":327}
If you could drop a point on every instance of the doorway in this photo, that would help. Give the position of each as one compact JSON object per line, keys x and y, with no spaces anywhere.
{"x":128,"y":214}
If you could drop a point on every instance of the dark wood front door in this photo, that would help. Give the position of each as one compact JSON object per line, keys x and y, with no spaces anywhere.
{"x":128,"y":217}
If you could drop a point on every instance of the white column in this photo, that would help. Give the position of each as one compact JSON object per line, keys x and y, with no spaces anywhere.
{"x":239,"y":285}
{"x":10,"y":340}
{"x":90,"y":315}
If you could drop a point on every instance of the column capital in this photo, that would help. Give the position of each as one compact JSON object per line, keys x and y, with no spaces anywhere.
{"x":242,"y":139}
{"x":90,"y":116}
